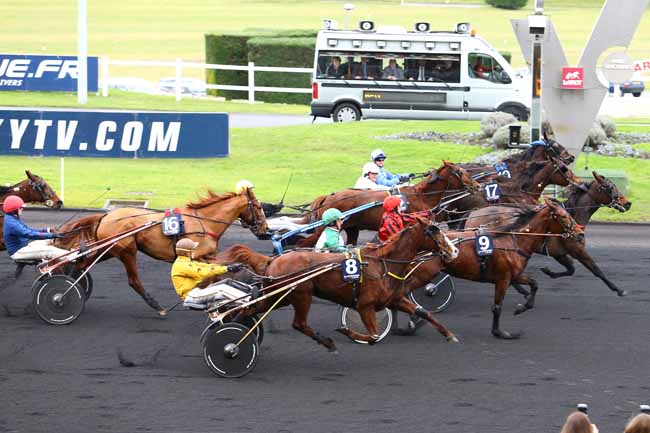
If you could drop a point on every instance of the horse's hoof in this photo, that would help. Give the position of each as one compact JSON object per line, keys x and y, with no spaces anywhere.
{"x":520,"y":309}
{"x":334,"y":352}
{"x":621,"y":293}
{"x":342,"y":330}
{"x":452,"y":339}
{"x":505,"y":335}
{"x":163,"y":313}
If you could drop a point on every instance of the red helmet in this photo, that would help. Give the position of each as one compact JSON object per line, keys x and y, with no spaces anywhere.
{"x":12,"y":203}
{"x":391,"y":202}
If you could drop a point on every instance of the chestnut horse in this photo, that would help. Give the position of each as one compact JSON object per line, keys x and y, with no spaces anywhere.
{"x":513,"y":246}
{"x":583,"y":201}
{"x":205,"y":221}
{"x":425,"y":195}
{"x":32,"y":190}
{"x":382,"y":284}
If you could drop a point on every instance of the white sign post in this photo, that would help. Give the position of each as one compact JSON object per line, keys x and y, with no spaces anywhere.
{"x":62,"y":190}
{"x":82,"y":53}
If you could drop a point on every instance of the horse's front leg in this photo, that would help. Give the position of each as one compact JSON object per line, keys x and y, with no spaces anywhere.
{"x":301,"y":301}
{"x":530,"y":299}
{"x":580,"y":253}
{"x":353,"y":235}
{"x":408,"y":307}
{"x":128,"y":258}
{"x":565,"y":261}
{"x":500,"y":288}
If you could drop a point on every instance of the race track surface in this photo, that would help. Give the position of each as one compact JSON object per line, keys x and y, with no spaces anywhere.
{"x":581,"y":343}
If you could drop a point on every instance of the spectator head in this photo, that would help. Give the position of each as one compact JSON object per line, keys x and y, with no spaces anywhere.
{"x":336,"y":61}
{"x":577,"y":422}
{"x":639,"y":424}
{"x":392,"y":63}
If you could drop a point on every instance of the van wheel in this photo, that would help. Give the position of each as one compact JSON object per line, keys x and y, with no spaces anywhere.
{"x":520,"y":113}
{"x":346,"y":112}
{"x":636,"y":95}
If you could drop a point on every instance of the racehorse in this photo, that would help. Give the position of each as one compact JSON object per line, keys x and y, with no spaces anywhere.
{"x":425,"y":195}
{"x":381,"y":284}
{"x":32,"y":190}
{"x":524,"y":189}
{"x":205,"y":221}
{"x":513,"y":246}
{"x":582,"y":202}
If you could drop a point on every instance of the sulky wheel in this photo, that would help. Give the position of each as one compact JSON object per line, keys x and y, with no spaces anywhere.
{"x":86,"y":282}
{"x":222,"y":354}
{"x":249,"y":322}
{"x":437,"y":295}
{"x":352,"y":320}
{"x":57,"y":300}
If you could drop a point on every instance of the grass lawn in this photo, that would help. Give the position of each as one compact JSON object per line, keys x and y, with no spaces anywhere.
{"x":122,"y":100}
{"x":322,"y":158}
{"x":154,"y":30}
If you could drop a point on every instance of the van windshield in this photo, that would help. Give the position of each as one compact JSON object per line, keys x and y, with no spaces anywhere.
{"x":485,"y":67}
{"x":427,"y":67}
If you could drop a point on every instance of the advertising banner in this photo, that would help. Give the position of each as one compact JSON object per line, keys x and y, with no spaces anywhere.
{"x":44,"y":73}
{"x":113,"y":134}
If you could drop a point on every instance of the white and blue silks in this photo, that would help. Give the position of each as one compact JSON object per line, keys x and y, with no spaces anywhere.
{"x":386,"y":178}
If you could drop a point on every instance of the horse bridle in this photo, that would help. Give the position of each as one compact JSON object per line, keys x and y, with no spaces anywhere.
{"x":257,"y":223}
{"x":611,"y":191}
{"x":569,"y":230}
{"x":553,"y":152}
{"x":455,"y":172}
{"x":40,"y":188}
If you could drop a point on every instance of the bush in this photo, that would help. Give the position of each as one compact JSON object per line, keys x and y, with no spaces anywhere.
{"x":501,"y":137}
{"x":608,"y":125}
{"x":287,"y":52}
{"x":493,"y":121}
{"x":507,"y":4}
{"x":596,"y":136}
{"x":506,"y":55}
{"x":231,"y":49}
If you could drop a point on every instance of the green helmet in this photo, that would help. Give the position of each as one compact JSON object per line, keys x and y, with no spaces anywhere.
{"x":331,"y":215}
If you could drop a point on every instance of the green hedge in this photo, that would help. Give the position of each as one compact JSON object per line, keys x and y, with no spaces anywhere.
{"x":507,"y":4}
{"x":287,"y":52}
{"x":231,"y":49}
{"x":506,"y":55}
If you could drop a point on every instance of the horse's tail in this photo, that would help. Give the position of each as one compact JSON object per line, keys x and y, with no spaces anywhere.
{"x":84,"y":229}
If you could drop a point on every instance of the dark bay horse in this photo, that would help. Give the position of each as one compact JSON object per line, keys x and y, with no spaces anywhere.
{"x":513,"y":246}
{"x":381,"y":286}
{"x":449,"y":178}
{"x":205,"y":221}
{"x":582,"y":202}
{"x":32,"y":190}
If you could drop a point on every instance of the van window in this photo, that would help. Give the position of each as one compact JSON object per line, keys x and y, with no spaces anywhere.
{"x":485,"y":67}
{"x":389,"y":66}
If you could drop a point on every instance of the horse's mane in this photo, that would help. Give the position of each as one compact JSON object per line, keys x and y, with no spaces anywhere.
{"x":573,"y":194}
{"x":242,"y":253}
{"x":6,"y":189}
{"x":211,"y":198}
{"x":384,"y":248}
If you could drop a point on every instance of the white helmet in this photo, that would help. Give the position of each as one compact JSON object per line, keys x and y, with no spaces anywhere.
{"x":369,"y":167}
{"x":376,"y":154}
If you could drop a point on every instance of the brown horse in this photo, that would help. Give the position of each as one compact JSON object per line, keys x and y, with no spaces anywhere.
{"x":423,"y":196}
{"x":32,"y":190}
{"x":583,"y":201}
{"x":205,"y":221}
{"x":381,"y":285}
{"x":524,"y":189}
{"x":513,"y":246}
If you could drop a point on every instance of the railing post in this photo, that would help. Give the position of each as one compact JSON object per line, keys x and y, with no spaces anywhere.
{"x":179,"y":76}
{"x":251,"y":82}
{"x":105,"y":76}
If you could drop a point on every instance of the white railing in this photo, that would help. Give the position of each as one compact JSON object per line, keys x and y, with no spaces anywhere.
{"x":179,"y":65}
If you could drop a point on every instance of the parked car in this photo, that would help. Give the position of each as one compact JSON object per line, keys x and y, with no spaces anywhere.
{"x":190,"y":86}
{"x":633,"y":87}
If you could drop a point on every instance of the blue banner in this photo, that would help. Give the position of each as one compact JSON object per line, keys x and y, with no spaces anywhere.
{"x":120,"y":134}
{"x":44,"y":73}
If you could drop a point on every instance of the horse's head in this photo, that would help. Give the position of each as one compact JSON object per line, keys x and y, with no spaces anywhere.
{"x":555,"y":149}
{"x":252,"y":216}
{"x":553,"y":172}
{"x":447,"y":249}
{"x":562,"y":221}
{"x":605,"y":192}
{"x":35,"y":190}
{"x":457,"y":177}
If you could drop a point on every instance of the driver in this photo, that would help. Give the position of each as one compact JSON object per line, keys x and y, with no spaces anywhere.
{"x":187,"y":273}
{"x":331,"y":238}
{"x":22,"y":241}
{"x":394,"y":220}
{"x":385,"y":177}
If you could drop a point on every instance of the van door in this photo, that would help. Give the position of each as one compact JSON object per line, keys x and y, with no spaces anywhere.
{"x":489,"y":85}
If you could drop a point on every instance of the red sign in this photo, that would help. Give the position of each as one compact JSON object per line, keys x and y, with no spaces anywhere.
{"x":573,"y":78}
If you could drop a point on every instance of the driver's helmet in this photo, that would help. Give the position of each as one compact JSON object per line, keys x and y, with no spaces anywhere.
{"x":391,"y":203}
{"x":330,"y":215}
{"x":185,"y":246}
{"x":377,"y":154}
{"x":243,"y":185}
{"x":369,"y":167}
{"x":12,"y":203}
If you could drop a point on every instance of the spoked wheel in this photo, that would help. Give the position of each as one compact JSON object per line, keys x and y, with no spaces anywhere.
{"x":249,"y":322}
{"x":86,"y":282}
{"x":224,"y":356}
{"x":58,"y":301}
{"x":352,"y":320}
{"x":437,"y":295}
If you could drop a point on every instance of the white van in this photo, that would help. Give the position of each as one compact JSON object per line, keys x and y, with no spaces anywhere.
{"x":390,"y":73}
